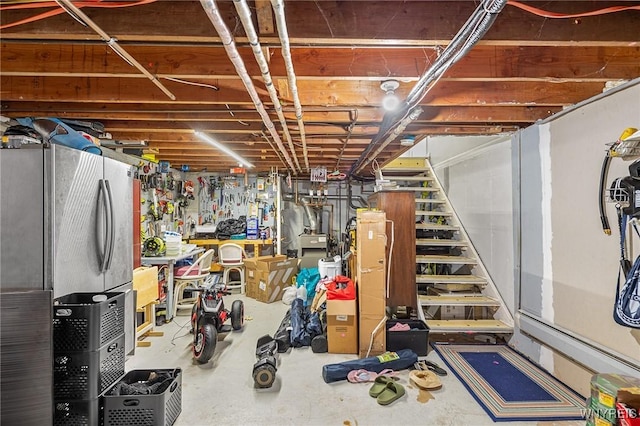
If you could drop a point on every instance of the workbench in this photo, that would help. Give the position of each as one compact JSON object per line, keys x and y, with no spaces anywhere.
{"x":211,"y":242}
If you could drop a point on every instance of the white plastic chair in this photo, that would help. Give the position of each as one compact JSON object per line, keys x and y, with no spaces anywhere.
{"x":231,"y":258}
{"x":202,"y":266}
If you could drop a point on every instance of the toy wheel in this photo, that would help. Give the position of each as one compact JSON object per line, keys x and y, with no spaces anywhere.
{"x":237,"y":314}
{"x":264,"y":376}
{"x":205,"y":343}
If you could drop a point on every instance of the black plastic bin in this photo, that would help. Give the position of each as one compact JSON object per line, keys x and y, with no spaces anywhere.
{"x":77,"y":412}
{"x":84,"y":322}
{"x":144,"y":410}
{"x":85,"y":375}
{"x":416,"y":339}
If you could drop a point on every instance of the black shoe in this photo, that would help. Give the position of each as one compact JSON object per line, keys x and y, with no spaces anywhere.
{"x":432,"y":366}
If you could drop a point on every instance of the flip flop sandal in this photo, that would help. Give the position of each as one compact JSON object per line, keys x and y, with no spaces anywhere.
{"x":360,"y":376}
{"x":426,"y":380}
{"x":379,"y":385}
{"x":392,"y":392}
{"x":430,"y":365}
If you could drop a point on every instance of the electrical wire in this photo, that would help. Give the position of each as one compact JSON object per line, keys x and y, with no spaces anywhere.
{"x":193,"y":83}
{"x":555,"y":15}
{"x":59,"y":10}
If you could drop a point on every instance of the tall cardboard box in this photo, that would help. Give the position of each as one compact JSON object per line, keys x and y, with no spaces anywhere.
{"x":342,"y":327}
{"x":371,"y":281}
{"x":268,"y":276}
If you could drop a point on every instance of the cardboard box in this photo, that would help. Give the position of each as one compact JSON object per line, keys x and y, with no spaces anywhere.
{"x":371,"y":281}
{"x":372,"y":334}
{"x":145,"y":283}
{"x":342,"y":327}
{"x":372,"y":298}
{"x":371,"y":228}
{"x":267,"y":276}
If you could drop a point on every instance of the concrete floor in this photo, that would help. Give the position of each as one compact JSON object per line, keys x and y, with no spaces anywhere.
{"x":222,"y":391}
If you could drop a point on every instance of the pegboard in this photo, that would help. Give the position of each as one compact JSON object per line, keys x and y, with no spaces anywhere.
{"x":229,"y":197}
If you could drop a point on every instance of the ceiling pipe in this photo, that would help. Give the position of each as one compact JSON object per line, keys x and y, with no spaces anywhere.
{"x":79,"y":16}
{"x":472,"y":31}
{"x":213,"y":13}
{"x":245,"y":17}
{"x":283,"y":33}
{"x":397,"y":131}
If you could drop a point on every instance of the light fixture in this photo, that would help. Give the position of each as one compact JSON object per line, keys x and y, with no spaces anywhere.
{"x":390,"y":100}
{"x":223,"y":148}
{"x":408,"y":140}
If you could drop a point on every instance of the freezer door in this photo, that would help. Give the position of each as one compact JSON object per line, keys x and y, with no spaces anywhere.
{"x":79,"y":217}
{"x":119,"y":182}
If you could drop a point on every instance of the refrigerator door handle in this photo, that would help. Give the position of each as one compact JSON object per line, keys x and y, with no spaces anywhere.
{"x":111,"y":229}
{"x":100,"y":235}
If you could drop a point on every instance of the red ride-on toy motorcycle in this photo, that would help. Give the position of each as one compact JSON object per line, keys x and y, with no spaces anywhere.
{"x":208,"y":317}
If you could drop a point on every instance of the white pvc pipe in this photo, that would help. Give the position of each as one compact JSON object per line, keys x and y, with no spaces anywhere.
{"x":245,"y":17}
{"x":229,"y":44}
{"x":283,"y":33}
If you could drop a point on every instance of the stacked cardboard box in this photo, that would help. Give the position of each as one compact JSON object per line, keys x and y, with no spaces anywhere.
{"x":267,"y":276}
{"x":342,"y":326}
{"x":371,"y":281}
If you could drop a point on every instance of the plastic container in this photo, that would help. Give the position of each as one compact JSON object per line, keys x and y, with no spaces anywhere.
{"x":416,"y":338}
{"x":137,"y":410}
{"x":173,"y":243}
{"x":253,"y":231}
{"x":87,"y":321}
{"x":330,"y":268}
{"x":76,"y":412}
{"x":85,"y":375}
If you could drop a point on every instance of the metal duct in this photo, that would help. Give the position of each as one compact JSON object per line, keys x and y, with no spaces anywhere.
{"x":245,"y":17}
{"x":229,"y":44}
{"x":283,"y":33}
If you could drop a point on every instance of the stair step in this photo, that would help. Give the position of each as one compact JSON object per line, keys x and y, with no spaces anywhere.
{"x":433,"y":213}
{"x":450,"y":279}
{"x":410,"y":178}
{"x":404,"y":170}
{"x":444,"y":242}
{"x":457,"y":301}
{"x":443,"y":258}
{"x":429,"y":200}
{"x":468,"y":326}
{"x":414,"y":188}
{"x":436,"y":227}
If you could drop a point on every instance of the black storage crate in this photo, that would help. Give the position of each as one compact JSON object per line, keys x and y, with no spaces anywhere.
{"x":144,"y":410}
{"x":85,"y":375}
{"x":416,"y":339}
{"x":77,"y":412}
{"x":80,"y":323}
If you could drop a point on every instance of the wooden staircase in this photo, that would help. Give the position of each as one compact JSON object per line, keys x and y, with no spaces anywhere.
{"x":456,"y":295}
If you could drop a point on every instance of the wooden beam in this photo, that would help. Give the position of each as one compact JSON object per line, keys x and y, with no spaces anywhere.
{"x":325,"y":93}
{"x":204,"y":63}
{"x":365,"y":20}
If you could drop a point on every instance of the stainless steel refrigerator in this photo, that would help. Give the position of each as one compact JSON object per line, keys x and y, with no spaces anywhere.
{"x":66,"y":226}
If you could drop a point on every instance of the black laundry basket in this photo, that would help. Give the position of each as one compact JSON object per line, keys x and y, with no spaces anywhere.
{"x":87,"y":321}
{"x":144,"y":410}
{"x":85,"y":375}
